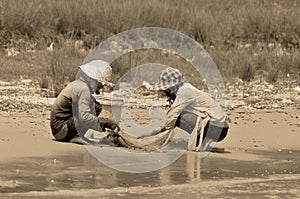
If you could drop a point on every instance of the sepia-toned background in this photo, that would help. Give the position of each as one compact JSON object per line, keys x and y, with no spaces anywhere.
{"x":254,"y":43}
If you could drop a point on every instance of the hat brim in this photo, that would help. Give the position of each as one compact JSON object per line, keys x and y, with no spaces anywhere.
{"x":97,"y":69}
{"x":160,"y":87}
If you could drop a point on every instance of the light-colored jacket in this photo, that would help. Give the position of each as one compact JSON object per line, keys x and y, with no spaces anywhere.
{"x":191,"y":100}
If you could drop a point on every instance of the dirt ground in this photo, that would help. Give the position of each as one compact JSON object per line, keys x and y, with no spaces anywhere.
{"x":262,"y":160}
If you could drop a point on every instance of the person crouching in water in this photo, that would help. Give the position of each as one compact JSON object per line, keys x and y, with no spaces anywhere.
{"x":187,"y":104}
{"x":75,"y":110}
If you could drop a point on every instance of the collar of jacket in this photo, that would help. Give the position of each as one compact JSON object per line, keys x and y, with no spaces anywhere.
{"x":85,"y":81}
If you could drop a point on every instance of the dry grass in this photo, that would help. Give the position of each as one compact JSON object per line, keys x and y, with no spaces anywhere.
{"x":209,"y":22}
{"x":244,"y":37}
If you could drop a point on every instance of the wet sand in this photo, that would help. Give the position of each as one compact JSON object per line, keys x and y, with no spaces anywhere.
{"x":262,"y":160}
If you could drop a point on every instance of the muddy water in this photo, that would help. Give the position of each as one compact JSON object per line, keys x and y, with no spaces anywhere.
{"x":82,"y":171}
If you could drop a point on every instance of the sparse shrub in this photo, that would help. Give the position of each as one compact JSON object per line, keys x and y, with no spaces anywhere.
{"x":272,"y":76}
{"x":44,"y":83}
{"x":247,"y":72}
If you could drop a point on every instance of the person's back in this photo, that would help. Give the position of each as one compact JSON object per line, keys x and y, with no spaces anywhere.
{"x":61,"y":110}
{"x":201,"y":103}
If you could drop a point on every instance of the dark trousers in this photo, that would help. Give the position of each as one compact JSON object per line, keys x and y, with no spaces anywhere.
{"x":187,"y":122}
{"x":68,"y":130}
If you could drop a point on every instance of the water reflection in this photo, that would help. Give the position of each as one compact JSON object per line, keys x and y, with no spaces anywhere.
{"x":82,"y":171}
{"x":193,"y":163}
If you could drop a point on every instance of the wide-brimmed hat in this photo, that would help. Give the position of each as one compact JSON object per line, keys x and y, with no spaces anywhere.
{"x":168,"y":78}
{"x":99,"y":70}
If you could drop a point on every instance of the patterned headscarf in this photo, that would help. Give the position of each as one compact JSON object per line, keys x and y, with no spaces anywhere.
{"x":169,"y":77}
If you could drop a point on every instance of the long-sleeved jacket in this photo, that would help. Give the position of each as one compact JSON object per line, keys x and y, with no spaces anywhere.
{"x":191,"y":100}
{"x":76,"y":101}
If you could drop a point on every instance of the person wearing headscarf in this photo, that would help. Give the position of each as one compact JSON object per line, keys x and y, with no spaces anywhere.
{"x":188,"y":103}
{"x":75,"y":110}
